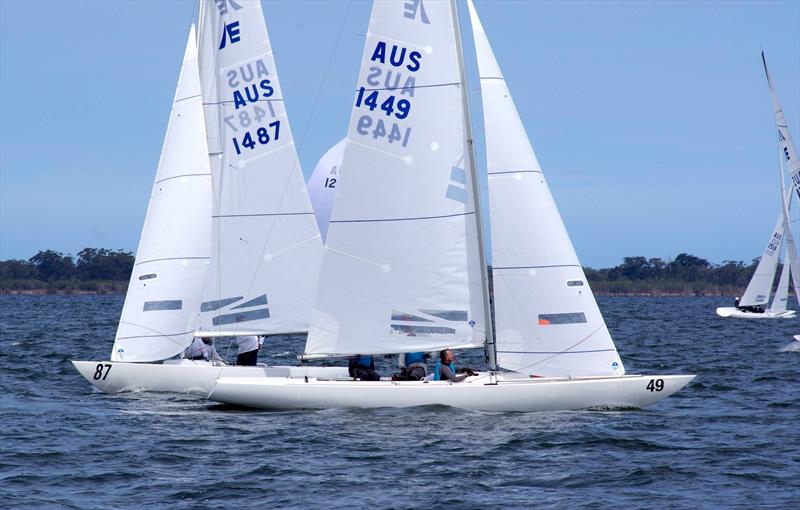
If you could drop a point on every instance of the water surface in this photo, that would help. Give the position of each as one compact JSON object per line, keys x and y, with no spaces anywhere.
{"x":729,"y":440}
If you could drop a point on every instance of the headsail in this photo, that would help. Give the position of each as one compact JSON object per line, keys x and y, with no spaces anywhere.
{"x":401,"y":269}
{"x":266,"y":248}
{"x":547,"y":320}
{"x":163,"y":300}
{"x":782,"y":292}
{"x":322,"y":185}
{"x":760,"y":286}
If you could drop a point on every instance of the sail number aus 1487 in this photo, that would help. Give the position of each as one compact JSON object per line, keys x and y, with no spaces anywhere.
{"x":261,"y":137}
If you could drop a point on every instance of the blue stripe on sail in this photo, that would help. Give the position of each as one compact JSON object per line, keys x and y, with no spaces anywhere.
{"x":457,"y":194}
{"x":170,"y":304}
{"x":458,"y":175}
{"x":234,"y":318}
{"x":210,"y":306}
{"x":260,"y":300}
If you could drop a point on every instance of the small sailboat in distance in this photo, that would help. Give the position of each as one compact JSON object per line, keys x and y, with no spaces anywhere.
{"x":756,"y":296}
{"x":403,"y":268}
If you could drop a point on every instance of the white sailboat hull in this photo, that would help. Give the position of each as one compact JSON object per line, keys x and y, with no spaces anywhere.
{"x":184,"y":376}
{"x":512,"y":393}
{"x":730,"y":311}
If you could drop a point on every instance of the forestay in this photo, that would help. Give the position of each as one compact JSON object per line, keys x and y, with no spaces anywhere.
{"x":547,"y":321}
{"x":266,"y":247}
{"x":322,"y":185}
{"x":401,"y":267}
{"x":163,"y":300}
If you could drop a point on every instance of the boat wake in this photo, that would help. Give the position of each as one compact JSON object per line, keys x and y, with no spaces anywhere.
{"x":793,"y":346}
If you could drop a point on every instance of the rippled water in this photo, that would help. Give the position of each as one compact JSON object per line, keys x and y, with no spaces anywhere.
{"x":730,"y":439}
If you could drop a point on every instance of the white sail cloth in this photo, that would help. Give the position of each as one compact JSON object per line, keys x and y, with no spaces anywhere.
{"x":163,"y":300}
{"x":760,"y":286}
{"x":266,"y":248}
{"x":785,"y":141}
{"x":322,"y":185}
{"x":401,"y":267}
{"x":547,"y":320}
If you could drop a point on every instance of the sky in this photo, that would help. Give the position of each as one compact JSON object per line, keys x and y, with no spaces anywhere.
{"x":651,"y":120}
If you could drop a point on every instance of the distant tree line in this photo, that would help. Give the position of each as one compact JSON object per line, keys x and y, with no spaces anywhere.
{"x":685,"y":275}
{"x":103,"y":270}
{"x":92,"y":270}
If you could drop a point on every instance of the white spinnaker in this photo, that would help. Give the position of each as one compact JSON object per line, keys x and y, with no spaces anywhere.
{"x":401,"y":267}
{"x":163,"y":300}
{"x":785,"y":142}
{"x":322,"y":185}
{"x":546,"y":318}
{"x":266,"y":248}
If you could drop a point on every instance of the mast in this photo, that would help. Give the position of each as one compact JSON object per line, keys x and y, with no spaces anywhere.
{"x":491,"y":350}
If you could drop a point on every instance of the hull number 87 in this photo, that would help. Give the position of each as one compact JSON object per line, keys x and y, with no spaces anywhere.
{"x":656,"y":385}
{"x":99,"y":373}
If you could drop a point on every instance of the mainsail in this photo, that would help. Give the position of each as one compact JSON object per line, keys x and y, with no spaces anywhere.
{"x":266,"y":248}
{"x":322,"y":185}
{"x":163,"y":300}
{"x":547,"y":320}
{"x":401,"y":269}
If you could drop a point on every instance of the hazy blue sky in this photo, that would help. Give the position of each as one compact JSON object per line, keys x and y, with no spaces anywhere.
{"x":651,"y":120}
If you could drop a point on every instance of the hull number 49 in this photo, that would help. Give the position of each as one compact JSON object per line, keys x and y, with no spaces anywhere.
{"x":656,"y":385}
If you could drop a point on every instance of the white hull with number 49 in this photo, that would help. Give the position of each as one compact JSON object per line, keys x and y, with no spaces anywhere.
{"x":507,"y":392}
{"x":185,"y":376}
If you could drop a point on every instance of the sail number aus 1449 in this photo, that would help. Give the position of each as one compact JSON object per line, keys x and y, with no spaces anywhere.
{"x":392,"y":107}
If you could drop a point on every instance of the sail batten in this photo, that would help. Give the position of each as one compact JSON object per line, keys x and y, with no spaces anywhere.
{"x":265,"y":240}
{"x":547,"y":321}
{"x":163,"y":299}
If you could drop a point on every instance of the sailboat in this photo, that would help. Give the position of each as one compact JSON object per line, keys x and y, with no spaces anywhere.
{"x":230,"y":246}
{"x":751,"y":305}
{"x":403,"y":267}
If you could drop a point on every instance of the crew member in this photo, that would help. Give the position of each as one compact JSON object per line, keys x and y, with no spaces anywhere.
{"x":247,"y":354}
{"x":445,"y":368}
{"x":362,"y":368}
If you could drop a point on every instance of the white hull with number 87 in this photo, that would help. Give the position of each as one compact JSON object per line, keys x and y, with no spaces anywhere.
{"x":184,"y":376}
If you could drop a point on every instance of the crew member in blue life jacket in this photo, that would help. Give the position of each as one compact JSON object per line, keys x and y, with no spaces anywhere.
{"x":413,"y":366}
{"x":445,"y":369}
{"x":362,"y":368}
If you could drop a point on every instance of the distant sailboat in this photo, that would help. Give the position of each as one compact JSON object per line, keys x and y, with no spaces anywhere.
{"x":404,"y":269}
{"x":230,"y":246}
{"x":752,"y":304}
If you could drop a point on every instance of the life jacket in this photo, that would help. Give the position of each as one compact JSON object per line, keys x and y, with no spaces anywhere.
{"x":364,"y":361}
{"x":437,"y":370}
{"x":415,"y":357}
